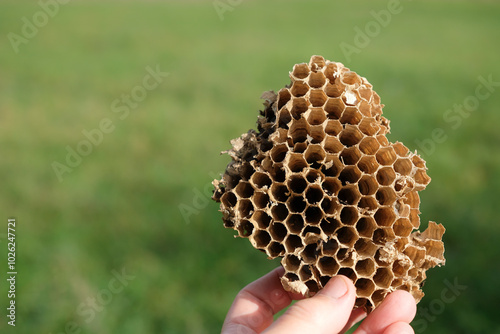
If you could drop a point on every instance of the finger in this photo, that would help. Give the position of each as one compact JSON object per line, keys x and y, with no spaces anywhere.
{"x":399,"y":328}
{"x":326,"y":312}
{"x":254,"y":306}
{"x":399,"y":306}
{"x":356,"y":316}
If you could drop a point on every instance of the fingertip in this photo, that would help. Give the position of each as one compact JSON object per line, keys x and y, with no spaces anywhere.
{"x":399,"y":328}
{"x":338,"y":286}
{"x":405,"y":301}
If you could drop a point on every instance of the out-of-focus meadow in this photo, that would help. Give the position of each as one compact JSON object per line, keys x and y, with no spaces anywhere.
{"x":102,"y":244}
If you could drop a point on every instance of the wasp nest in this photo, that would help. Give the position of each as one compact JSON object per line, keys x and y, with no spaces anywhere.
{"x":320,"y":185}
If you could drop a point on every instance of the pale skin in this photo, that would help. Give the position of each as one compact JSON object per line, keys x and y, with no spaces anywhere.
{"x":330,"y":311}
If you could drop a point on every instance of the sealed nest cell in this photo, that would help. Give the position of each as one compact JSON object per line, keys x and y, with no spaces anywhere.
{"x":320,"y":186}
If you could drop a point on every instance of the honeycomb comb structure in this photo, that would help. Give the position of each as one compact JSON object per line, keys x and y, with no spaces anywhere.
{"x":319,"y":185}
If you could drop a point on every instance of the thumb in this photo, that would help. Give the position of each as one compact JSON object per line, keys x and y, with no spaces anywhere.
{"x":327,"y":312}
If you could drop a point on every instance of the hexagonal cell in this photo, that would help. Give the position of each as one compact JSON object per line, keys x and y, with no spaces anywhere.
{"x":261,"y":219}
{"x":278,"y":152}
{"x":314,"y":176}
{"x":365,"y":92}
{"x":299,"y":107}
{"x":365,"y":226}
{"x":421,"y":177}
{"x":310,"y":253}
{"x":296,"y":204}
{"x":382,"y":139}
{"x":403,"y":166}
{"x":299,"y":131}
{"x":329,"y":226}
{"x":386,"y":196}
{"x":400,"y":268}
{"x":385,"y":216}
{"x":351,"y":115}
{"x":311,"y":230}
{"x":291,"y":262}
{"x":350,"y":136}
{"x":349,"y":195}
{"x":228,"y":199}
{"x":365,"y":247}
{"x":275,"y":249}
{"x":368,"y":203}
{"x":400,"y":149}
{"x":369,"y":126}
{"x":261,"y":180}
{"x":386,"y":176}
{"x":335,"y":89}
{"x":365,"y":109}
{"x":367,"y":185}
{"x":402,"y":227}
{"x":351,"y":78}
{"x":299,"y":89}
{"x":312,"y":286}
{"x":317,"y":134}
{"x":284,"y":118}
{"x":369,"y":145}
{"x":315,"y":153}
{"x":386,"y":156}
{"x":349,"y":215}
{"x":328,"y":266}
{"x":261,"y":239}
{"x":314,"y":194}
{"x":350,"y":174}
{"x":279,"y":212}
{"x":368,"y":164}
{"x":291,"y":277}
{"x":317,"y":98}
{"x":244,"y":189}
{"x":297,"y":183}
{"x":345,"y":257}
{"x":330,"y":247}
{"x":299,"y":147}
{"x":363,"y":303}
{"x":313,"y":215}
{"x":245,"y":228}
{"x":293,"y":242}
{"x":378,"y":296}
{"x":418,"y":161}
{"x":332,"y":167}
{"x":347,"y":235}
{"x":364,"y":287}
{"x":330,"y":71}
{"x":295,"y":223}
{"x":412,"y":199}
{"x":334,"y":108}
{"x":316,"y":63}
{"x":416,"y":255}
{"x":245,"y":208}
{"x":350,"y":98}
{"x":279,"y":192}
{"x":296,"y":162}
{"x":278,"y":231}
{"x":316,"y":116}
{"x":333,"y":127}
{"x":349,"y":273}
{"x":329,"y":206}
{"x":383,"y":235}
{"x":284,"y":96}
{"x":300,"y":71}
{"x":350,"y":155}
{"x":383,"y":277}
{"x":333,"y":145}
{"x":317,"y":80}
{"x":365,"y":268}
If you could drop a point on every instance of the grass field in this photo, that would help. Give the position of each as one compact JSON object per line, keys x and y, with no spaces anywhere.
{"x":115,"y":212}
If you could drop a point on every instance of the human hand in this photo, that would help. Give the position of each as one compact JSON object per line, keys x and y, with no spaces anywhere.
{"x":329,"y":311}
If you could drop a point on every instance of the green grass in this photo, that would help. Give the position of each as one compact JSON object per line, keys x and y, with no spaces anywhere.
{"x":120,"y":207}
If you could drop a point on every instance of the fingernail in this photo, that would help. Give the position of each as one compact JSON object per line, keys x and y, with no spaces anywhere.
{"x":336,"y":287}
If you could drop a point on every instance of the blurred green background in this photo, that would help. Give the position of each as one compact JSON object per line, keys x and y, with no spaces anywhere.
{"x":118,"y":209}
